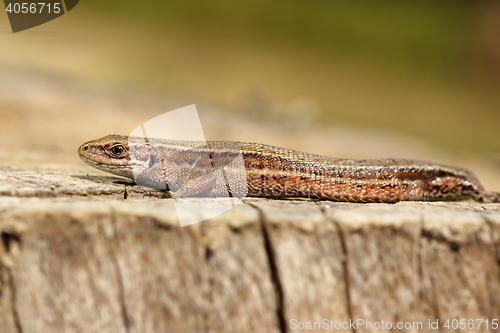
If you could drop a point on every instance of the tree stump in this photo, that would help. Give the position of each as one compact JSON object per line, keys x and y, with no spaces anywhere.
{"x":99,"y":254}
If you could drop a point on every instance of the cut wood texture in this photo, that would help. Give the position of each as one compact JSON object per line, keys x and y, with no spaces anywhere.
{"x":98,"y":254}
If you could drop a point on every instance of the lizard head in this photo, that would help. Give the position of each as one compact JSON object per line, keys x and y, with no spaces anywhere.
{"x":110,"y":154}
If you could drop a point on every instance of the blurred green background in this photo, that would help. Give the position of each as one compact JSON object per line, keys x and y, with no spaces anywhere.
{"x":426,"y":69}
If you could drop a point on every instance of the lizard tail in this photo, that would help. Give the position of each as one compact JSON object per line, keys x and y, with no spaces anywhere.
{"x":492,"y":197}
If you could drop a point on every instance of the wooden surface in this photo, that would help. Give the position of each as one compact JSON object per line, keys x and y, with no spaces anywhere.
{"x":77,"y":257}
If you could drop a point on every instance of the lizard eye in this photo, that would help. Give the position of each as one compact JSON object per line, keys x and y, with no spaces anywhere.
{"x":117,"y":150}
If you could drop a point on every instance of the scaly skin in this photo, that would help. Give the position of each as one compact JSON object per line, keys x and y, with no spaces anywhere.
{"x":213,"y":168}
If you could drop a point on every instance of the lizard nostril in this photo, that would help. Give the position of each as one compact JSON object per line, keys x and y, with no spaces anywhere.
{"x":85,"y":147}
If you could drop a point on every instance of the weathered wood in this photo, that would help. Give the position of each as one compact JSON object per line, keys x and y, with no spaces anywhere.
{"x":89,"y":260}
{"x":459,"y":263}
{"x":381,"y":244}
{"x":309,"y":256}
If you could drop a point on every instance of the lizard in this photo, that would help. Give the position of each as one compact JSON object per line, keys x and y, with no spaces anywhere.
{"x":216,"y":168}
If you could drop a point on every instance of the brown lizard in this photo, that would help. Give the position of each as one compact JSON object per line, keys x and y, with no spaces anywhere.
{"x":216,"y":168}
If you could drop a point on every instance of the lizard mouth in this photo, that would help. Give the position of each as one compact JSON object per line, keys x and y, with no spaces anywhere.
{"x":88,"y":155}
{"x":92,"y":156}
{"x":95,"y":164}
{"x":114,"y":169}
